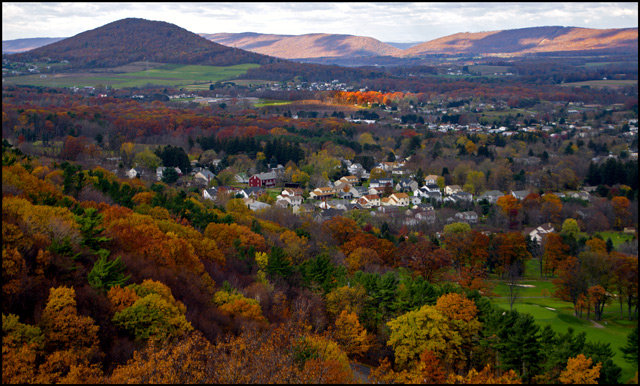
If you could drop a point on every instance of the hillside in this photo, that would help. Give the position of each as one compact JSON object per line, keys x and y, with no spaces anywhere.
{"x":529,"y":40}
{"x":305,"y":46}
{"x":22,"y":45}
{"x":130,"y":40}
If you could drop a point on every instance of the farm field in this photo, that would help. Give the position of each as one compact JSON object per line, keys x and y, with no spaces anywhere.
{"x":165,"y":75}
{"x":535,"y":300}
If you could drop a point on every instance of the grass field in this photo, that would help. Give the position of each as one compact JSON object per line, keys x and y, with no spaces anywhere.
{"x":558,"y":314}
{"x":164,"y":75}
{"x":271,"y":102}
{"x":617,"y":238}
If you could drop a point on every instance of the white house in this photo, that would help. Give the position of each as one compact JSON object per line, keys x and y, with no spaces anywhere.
{"x":133,"y":173}
{"x":538,"y":233}
{"x":400,"y":199}
{"x":451,"y":189}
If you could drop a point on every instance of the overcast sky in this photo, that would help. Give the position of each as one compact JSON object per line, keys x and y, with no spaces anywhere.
{"x":387,"y":22}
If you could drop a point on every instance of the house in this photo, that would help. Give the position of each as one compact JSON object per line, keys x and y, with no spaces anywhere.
{"x":381,"y":182}
{"x":265,"y":180}
{"x":379,"y":190}
{"x":582,"y":195}
{"x":351,"y":180}
{"x":428,"y":192}
{"x":420,"y":215}
{"x":291,"y":192}
{"x":348,"y":195}
{"x":451,"y":189}
{"x":323,"y":192}
{"x":210,"y":193}
{"x":407,"y":185}
{"x":470,"y":217}
{"x":538,"y":233}
{"x":400,"y":199}
{"x":459,"y":197}
{"x":133,"y":173}
{"x":356,"y":169}
{"x":520,"y":194}
{"x":241,"y":178}
{"x":369,"y":200}
{"x":491,"y":196}
{"x":252,"y":192}
{"x":204,"y":175}
{"x":430,"y":179}
{"x":291,"y":196}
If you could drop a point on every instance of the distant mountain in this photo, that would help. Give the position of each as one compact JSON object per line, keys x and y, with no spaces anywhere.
{"x":22,"y":45}
{"x":529,"y":40}
{"x":130,"y":40}
{"x":318,"y":45}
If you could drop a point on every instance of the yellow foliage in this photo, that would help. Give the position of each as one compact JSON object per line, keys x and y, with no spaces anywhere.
{"x":579,"y":371}
{"x":350,"y":334}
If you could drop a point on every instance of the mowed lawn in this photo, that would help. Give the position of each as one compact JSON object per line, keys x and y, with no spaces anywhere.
{"x":558,"y":314}
{"x":165,"y":75}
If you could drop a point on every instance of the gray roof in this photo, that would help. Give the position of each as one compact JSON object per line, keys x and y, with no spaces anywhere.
{"x":266,"y":176}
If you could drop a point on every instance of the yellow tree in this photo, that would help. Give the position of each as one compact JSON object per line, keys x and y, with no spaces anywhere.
{"x":350,"y":335}
{"x":579,"y":371}
{"x":423,"y":329}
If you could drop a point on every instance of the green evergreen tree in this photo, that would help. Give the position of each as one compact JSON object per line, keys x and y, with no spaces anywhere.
{"x":630,"y":350}
{"x":106,"y":274}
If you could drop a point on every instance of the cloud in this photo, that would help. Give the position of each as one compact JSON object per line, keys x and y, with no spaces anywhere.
{"x":399,"y":22}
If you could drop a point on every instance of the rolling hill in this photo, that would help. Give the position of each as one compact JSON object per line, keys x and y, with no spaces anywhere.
{"x":132,"y":40}
{"x":528,"y":41}
{"x":317,"y":45}
{"x":22,"y":45}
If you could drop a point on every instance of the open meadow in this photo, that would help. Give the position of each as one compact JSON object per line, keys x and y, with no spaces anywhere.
{"x":160,"y":75}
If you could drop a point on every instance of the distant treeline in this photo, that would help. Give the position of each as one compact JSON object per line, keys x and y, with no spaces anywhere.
{"x":277,"y":149}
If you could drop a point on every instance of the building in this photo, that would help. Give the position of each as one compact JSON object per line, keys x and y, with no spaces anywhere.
{"x":538,"y":233}
{"x":451,"y":189}
{"x":264,"y":180}
{"x":323,"y":192}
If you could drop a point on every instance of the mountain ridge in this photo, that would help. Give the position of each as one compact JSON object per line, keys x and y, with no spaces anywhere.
{"x":252,"y":47}
{"x":111,"y":45}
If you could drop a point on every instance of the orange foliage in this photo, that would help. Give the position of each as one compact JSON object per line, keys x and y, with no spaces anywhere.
{"x":579,"y":371}
{"x":122,"y":297}
{"x":225,"y":234}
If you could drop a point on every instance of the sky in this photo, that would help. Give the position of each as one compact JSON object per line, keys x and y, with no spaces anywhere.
{"x":387,"y":22}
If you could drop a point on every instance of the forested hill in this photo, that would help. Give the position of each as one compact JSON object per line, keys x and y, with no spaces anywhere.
{"x":130,"y":40}
{"x":305,"y":46}
{"x":530,"y":40}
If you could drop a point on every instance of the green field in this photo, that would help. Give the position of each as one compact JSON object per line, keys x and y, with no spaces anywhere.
{"x":558,"y":314}
{"x":617,"y":238}
{"x":271,"y":102}
{"x":165,"y":75}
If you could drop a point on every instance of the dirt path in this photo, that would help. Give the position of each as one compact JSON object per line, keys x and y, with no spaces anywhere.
{"x":596,"y":324}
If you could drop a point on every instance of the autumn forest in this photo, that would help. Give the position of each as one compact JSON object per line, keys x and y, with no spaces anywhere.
{"x":470,"y":220}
